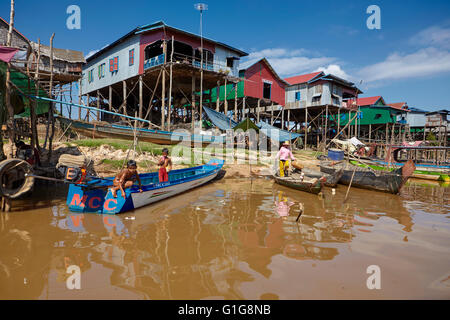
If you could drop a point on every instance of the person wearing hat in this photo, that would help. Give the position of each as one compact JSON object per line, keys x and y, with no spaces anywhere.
{"x":126,"y":178}
{"x":285,"y":154}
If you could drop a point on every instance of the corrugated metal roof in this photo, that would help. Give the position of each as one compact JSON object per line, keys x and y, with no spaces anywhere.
{"x":303,"y":78}
{"x":60,"y":54}
{"x":154,"y":26}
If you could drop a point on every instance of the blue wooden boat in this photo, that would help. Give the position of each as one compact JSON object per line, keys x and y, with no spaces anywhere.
{"x":95,"y":196}
{"x":104,"y":130}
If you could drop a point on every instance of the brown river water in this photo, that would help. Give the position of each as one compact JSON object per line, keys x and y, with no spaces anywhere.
{"x":233,"y":239}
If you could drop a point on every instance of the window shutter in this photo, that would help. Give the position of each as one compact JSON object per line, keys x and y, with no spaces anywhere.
{"x":116,"y":63}
{"x":111,"y":65}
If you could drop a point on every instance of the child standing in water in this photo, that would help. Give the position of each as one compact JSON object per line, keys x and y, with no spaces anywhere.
{"x":164,"y":163}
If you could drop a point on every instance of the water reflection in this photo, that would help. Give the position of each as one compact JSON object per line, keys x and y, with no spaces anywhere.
{"x":203,"y":244}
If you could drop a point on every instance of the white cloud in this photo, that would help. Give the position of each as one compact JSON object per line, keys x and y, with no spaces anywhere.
{"x":434,"y":36}
{"x":336,"y":70}
{"x":424,"y":62}
{"x":288,"y":62}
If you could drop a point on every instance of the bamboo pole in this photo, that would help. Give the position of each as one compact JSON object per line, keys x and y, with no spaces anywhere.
{"x":169,"y":105}
{"x":235,"y":102}
{"x":33,"y":110}
{"x":141,"y":98}
{"x":306,"y":127}
{"x":218,"y":96}
{"x":79,"y":99}
{"x":98,"y":105}
{"x":225,"y":101}
{"x":11,"y":127}
{"x":51,"y":111}
{"x":163,"y":93}
{"x":193,"y":107}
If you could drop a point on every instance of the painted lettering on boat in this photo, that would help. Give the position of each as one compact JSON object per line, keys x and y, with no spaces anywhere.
{"x":106,"y":205}
{"x":91,"y":202}
{"x":77,"y":201}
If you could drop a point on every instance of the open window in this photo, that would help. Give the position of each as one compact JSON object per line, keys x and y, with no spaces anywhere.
{"x":230,"y":62}
{"x":267,"y":90}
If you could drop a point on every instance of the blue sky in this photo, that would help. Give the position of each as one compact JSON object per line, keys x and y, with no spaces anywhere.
{"x":407,"y":60}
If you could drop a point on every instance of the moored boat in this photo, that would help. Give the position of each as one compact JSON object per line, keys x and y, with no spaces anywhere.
{"x":107,"y":130}
{"x":96,"y":197}
{"x":367,"y":178}
{"x":294,"y":181}
{"x":331,"y":180}
{"x":423,"y":171}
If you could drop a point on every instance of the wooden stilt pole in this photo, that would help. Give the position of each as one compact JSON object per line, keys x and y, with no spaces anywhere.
{"x":193,"y":107}
{"x":163,"y":90}
{"x":306,"y":127}
{"x":235,"y":102}
{"x":169,"y":104}
{"x":257,"y":112}
{"x":10,"y":108}
{"x":141,"y":97}
{"x":52,"y":105}
{"x":243,"y":108}
{"x":225,"y":101}
{"x":218,"y":96}
{"x":271,"y":114}
{"x":98,"y":105}
{"x":33,"y":111}
{"x":79,"y":99}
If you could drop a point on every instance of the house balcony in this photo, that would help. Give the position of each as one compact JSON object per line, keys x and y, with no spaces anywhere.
{"x":188,"y":60}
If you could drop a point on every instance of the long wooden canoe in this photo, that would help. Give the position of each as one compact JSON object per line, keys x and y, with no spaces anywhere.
{"x":367,"y":178}
{"x":293,"y":181}
{"x":106,"y":130}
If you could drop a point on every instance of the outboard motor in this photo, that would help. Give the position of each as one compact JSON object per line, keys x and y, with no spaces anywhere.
{"x":75,"y":168}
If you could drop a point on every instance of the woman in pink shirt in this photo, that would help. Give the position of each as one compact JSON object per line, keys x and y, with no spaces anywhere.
{"x":284,"y":155}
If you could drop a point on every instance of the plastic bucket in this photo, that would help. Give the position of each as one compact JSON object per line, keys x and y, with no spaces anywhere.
{"x":335,"y":154}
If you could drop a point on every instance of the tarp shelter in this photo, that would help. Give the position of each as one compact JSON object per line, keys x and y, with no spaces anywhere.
{"x":21,"y":104}
{"x":220,"y":120}
{"x":277,"y":134}
{"x":246,"y":124}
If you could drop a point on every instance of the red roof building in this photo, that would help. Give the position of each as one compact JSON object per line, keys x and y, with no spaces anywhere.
{"x":303,"y":78}
{"x":399,"y":105}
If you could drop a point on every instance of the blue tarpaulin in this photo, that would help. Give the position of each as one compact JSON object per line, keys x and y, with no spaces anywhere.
{"x":219,"y":119}
{"x":277,"y":134}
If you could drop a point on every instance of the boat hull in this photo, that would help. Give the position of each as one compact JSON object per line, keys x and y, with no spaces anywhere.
{"x":94,"y":199}
{"x":390,"y":182}
{"x":314,"y":188}
{"x":421,"y":172}
{"x":93,"y":130}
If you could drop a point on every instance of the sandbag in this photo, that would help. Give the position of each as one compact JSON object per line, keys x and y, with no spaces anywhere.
{"x":297,"y":165}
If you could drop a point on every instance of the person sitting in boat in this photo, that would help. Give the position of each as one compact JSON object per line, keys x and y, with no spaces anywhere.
{"x":165,"y":164}
{"x":284,"y":155}
{"x":126,"y":178}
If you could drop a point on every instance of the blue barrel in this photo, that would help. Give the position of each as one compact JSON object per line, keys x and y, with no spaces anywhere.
{"x":336,"y":154}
